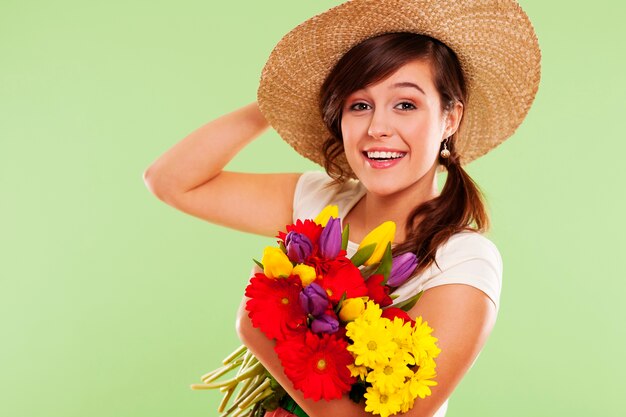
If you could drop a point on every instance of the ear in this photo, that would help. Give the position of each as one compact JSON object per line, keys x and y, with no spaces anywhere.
{"x":453,"y":119}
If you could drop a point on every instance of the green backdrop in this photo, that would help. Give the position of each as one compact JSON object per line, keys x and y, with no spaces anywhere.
{"x":113,"y":303}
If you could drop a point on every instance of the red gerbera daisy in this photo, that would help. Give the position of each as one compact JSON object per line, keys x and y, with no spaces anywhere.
{"x":274,"y":307}
{"x":317,"y":366}
{"x":342,"y":278}
{"x":308,"y":228}
{"x":377,"y":291}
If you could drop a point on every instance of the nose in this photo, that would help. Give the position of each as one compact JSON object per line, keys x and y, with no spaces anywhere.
{"x":379,"y":128}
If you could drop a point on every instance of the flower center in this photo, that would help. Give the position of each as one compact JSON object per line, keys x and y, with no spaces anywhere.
{"x":371,"y":345}
{"x":383,"y":399}
{"x":388,"y":370}
{"x":321,"y":364}
{"x":329,"y":292}
{"x":285,"y":300}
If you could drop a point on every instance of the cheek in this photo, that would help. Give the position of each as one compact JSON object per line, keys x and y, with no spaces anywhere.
{"x":349,"y":133}
{"x":347,"y":126}
{"x":424,"y":145}
{"x":350,"y":145}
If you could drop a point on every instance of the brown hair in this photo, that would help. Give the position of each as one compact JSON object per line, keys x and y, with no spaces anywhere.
{"x":460,"y":203}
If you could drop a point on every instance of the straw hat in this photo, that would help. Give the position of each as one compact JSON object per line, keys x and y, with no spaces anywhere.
{"x":493,"y":39}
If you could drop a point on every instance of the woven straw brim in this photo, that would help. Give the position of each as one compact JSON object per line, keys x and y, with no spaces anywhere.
{"x":493,"y":39}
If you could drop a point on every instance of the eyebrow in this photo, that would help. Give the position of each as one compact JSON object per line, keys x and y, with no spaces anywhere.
{"x":407,"y":84}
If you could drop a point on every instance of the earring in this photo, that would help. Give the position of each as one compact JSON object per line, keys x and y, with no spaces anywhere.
{"x":445,"y":153}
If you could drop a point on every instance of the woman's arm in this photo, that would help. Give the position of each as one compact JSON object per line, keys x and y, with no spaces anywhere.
{"x":190,"y":177}
{"x":462,"y":318}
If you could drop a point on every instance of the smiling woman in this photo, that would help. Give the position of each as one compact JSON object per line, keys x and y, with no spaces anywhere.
{"x":409,"y":99}
{"x":395,"y":123}
{"x":395,"y":92}
{"x":384,"y":118}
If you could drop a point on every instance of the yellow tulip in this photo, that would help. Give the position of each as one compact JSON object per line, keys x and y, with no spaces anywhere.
{"x":351,"y":308}
{"x":328,"y":212}
{"x":275,"y":263}
{"x":381,"y":236}
{"x":306,"y":273}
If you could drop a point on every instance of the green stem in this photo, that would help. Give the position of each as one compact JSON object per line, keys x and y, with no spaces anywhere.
{"x":245,"y":403}
{"x":257,"y":368}
{"x":236,"y":353}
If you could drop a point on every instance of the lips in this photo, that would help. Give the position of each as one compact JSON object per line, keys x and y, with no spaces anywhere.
{"x":378,"y":158}
{"x":383,"y":152}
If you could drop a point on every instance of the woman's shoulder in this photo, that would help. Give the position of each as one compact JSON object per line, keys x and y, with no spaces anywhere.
{"x":469,"y":243}
{"x":467,"y":257}
{"x":316,"y":189}
{"x":469,"y":252}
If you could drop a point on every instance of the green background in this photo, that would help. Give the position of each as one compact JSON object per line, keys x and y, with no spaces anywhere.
{"x":113,"y":303}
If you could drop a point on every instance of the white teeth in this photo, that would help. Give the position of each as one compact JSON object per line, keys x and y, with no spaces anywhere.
{"x":385,"y":155}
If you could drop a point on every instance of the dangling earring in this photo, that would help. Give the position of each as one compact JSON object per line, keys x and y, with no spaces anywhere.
{"x":445,"y":153}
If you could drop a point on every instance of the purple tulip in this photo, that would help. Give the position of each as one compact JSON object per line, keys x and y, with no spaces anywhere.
{"x":313,"y":299}
{"x":401,"y":269}
{"x":299,"y":247}
{"x":330,"y":239}
{"x":325,"y":324}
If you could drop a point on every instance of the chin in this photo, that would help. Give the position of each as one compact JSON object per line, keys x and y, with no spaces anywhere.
{"x":382,"y":186}
{"x":389,"y":183}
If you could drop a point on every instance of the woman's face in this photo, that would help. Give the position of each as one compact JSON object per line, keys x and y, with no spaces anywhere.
{"x":402,"y":115}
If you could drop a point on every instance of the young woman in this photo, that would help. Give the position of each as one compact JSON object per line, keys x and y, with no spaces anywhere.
{"x":383,"y":106}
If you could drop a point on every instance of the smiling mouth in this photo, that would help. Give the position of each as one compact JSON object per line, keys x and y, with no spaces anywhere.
{"x":384,"y":156}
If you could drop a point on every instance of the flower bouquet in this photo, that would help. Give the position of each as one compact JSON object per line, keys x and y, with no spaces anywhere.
{"x":335,"y":328}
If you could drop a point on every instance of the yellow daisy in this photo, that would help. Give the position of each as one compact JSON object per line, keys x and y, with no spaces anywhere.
{"x":390,"y":376}
{"x":407,"y":398}
{"x":372,"y":312}
{"x":422,"y":379}
{"x":372,"y":342}
{"x":383,"y":404}
{"x":423,"y":343}
{"x":358,"y":371}
{"x":401,"y":333}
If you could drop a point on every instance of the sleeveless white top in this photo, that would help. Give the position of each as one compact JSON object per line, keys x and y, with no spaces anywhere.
{"x":466,"y":258}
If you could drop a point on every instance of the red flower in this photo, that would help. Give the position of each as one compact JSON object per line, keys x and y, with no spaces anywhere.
{"x":343,"y":277}
{"x":317,"y":366}
{"x":323,"y":266}
{"x":274,"y":307}
{"x":309,"y":228}
{"x":392,"y":312}
{"x":377,"y":291}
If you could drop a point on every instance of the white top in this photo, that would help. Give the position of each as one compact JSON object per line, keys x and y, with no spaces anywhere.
{"x":466,"y":258}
